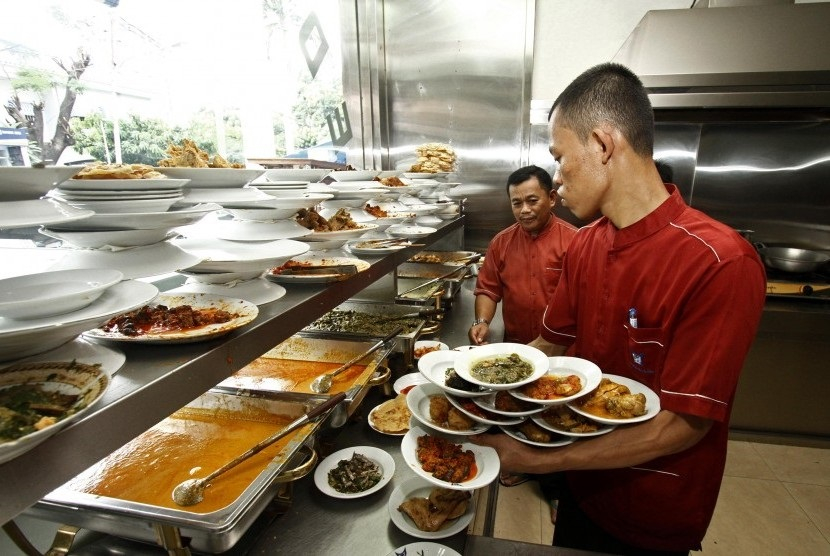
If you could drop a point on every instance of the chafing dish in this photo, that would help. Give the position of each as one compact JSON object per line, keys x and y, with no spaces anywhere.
{"x":212,"y":531}
{"x":267,"y":372}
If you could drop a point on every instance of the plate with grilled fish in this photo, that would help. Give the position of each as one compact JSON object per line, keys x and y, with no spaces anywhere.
{"x":423,"y":510}
{"x":617,"y":401}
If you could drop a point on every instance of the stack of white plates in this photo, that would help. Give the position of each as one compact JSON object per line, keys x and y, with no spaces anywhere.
{"x":275,"y":207}
{"x":121,"y":196}
{"x":289,"y":175}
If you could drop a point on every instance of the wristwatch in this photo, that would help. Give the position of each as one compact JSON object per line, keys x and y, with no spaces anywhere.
{"x":480,"y":321}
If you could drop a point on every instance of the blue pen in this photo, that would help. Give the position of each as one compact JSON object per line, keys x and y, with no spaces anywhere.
{"x":632,"y":317}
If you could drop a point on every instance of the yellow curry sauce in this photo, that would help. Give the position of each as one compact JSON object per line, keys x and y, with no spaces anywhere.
{"x":292,"y":375}
{"x":189,"y":444}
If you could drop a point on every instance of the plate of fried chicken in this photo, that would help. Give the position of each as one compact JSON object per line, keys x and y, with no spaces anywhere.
{"x":618,"y":400}
{"x":423,"y":510}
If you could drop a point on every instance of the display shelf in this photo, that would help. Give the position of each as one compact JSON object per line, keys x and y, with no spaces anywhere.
{"x":156,"y":380}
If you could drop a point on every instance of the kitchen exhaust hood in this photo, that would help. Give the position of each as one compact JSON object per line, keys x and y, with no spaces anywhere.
{"x":769,"y":56}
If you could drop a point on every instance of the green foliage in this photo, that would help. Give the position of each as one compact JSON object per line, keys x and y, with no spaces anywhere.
{"x":315,"y":101}
{"x":34,"y":80}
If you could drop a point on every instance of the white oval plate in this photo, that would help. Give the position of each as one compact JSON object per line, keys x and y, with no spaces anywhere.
{"x":127,"y":207}
{"x":652,"y":402}
{"x":364,"y":247}
{"x":246,"y":310}
{"x":224,"y":195}
{"x":423,"y":549}
{"x":122,"y":185}
{"x":212,"y":177}
{"x":340,"y":234}
{"x":535,"y":357}
{"x":491,"y":419}
{"x":95,"y":239}
{"x":110,"y":358}
{"x":275,"y":275}
{"x":35,"y":296}
{"x":23,"y":338}
{"x":306,"y":175}
{"x":589,"y":375}
{"x":354,"y":175}
{"x":488,"y":403}
{"x":601,"y":428}
{"x":409,"y":231}
{"x":24,"y":184}
{"x":416,"y":487}
{"x":433,"y":366}
{"x":487,"y":460}
{"x":513,"y":432}
{"x":87,"y":381}
{"x":417,"y":400}
{"x":383,"y":459}
{"x":408,"y":381}
{"x":219,"y":255}
{"x":39,"y":212}
{"x":258,"y":290}
{"x":179,"y":215}
{"x":133,"y":262}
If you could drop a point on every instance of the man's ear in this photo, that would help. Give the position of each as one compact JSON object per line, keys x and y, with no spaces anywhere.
{"x":605,"y":143}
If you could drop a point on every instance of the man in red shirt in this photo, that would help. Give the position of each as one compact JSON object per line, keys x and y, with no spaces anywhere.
{"x":523,"y":261}
{"x":654,"y":291}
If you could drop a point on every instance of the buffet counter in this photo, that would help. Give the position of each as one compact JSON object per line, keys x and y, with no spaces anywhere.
{"x":157,"y":380}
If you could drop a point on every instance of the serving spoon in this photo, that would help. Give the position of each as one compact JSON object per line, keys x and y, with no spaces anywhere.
{"x":322,"y":383}
{"x":192,"y":491}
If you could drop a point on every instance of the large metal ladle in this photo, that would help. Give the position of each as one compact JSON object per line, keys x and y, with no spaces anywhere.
{"x":322,"y":383}
{"x":192,"y":491}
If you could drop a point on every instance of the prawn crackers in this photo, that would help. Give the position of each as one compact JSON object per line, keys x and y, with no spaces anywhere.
{"x":392,"y":416}
{"x":101,"y":171}
{"x":433,"y":158}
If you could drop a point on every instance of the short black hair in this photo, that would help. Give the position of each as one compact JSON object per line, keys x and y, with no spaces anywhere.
{"x":608,"y":93}
{"x":526,"y":172}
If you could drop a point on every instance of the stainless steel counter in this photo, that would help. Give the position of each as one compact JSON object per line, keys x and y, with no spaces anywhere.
{"x":157,"y":380}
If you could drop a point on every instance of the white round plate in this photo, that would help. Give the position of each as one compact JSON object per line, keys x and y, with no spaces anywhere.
{"x":354,"y":175}
{"x":258,"y":290}
{"x":589,"y":375}
{"x":39,"y":212}
{"x":381,"y":458}
{"x":467,"y":359}
{"x":23,"y":338}
{"x":488,"y":403}
{"x":410,"y":231}
{"x":88,"y":382}
{"x":218,"y":255}
{"x":423,"y":549}
{"x":121,"y":185}
{"x":34,"y":296}
{"x":212,"y":177}
{"x":652,"y":402}
{"x":126,"y":207}
{"x":179,"y":215}
{"x":416,"y":487}
{"x":251,"y":230}
{"x":96,"y":239}
{"x":418,"y":402}
{"x":557,"y":441}
{"x":408,"y":381}
{"x":21,"y":183}
{"x":371,"y":420}
{"x":340,"y":234}
{"x":487,"y":460}
{"x":296,"y":174}
{"x":275,"y":275}
{"x":245,"y":310}
{"x":134,"y":262}
{"x":433,"y":367}
{"x":365,"y":247}
{"x":434,"y":345}
{"x":539,"y":419}
{"x":424,"y":175}
{"x":224,"y":196}
{"x":110,"y":359}
{"x":468,"y":407}
{"x":224,"y":278}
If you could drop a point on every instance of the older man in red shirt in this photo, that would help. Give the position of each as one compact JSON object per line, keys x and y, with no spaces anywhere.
{"x":523,"y":261}
{"x":653,"y":291}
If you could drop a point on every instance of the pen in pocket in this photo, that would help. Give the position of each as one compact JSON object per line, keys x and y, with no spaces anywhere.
{"x":632,"y":317}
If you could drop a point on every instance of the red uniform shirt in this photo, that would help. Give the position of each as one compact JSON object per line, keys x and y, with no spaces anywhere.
{"x":696,"y":290}
{"x":522,"y":271}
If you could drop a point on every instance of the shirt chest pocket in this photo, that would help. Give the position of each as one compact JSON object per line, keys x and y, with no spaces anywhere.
{"x":646,"y":349}
{"x":550,"y":279}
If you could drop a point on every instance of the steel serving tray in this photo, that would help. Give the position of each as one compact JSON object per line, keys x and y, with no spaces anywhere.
{"x":303,"y":347}
{"x":211,"y":532}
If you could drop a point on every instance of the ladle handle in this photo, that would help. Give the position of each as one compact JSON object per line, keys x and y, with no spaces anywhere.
{"x":295,"y":424}
{"x":368,"y":352}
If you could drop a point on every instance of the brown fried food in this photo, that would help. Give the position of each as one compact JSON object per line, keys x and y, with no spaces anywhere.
{"x":433,"y":158}
{"x":614,"y":401}
{"x":101,"y":171}
{"x":311,"y":219}
{"x":392,"y":416}
{"x":534,"y":432}
{"x":506,"y":402}
{"x":439,"y":408}
{"x":433,"y":513}
{"x":445,"y":460}
{"x":564,"y":418}
{"x":457,"y":421}
{"x":551,"y":387}
{"x":189,"y":155}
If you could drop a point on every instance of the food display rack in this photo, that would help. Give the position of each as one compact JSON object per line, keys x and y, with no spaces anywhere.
{"x":156,"y":380}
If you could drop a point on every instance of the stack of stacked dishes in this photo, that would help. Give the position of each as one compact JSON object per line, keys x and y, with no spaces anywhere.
{"x":117,"y":196}
{"x":353,"y":175}
{"x":235,"y":269}
{"x":293,"y":176}
{"x":61,"y":306}
{"x":209,"y":178}
{"x":540,"y":406}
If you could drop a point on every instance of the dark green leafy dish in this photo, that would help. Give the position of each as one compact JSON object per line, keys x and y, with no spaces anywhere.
{"x":502,"y":369}
{"x":355,"y":475}
{"x":27,"y":408}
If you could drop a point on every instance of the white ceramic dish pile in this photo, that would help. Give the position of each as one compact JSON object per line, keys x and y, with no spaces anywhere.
{"x":213,"y":177}
{"x":34,"y":296}
{"x":274,"y":208}
{"x":308,"y":175}
{"x":224,"y":261}
{"x":353,"y":175}
{"x":121,"y":196}
{"x":23,"y":214}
